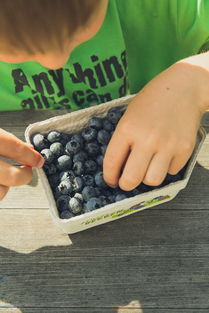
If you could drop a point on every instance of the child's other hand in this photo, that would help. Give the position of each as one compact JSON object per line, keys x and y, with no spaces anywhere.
{"x":157,"y":133}
{"x":14,"y":149}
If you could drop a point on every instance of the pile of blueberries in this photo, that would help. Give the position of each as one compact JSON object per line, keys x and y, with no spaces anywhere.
{"x":73,"y":166}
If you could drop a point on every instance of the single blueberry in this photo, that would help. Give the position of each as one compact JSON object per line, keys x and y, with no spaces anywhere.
{"x":80,"y":156}
{"x":92,"y":148}
{"x":77,"y":184}
{"x":78,"y":137}
{"x":64,"y":138}
{"x":99,"y":180}
{"x":90,"y":166}
{"x":95,"y":122}
{"x":65,"y":187}
{"x":103,"y":149}
{"x":99,"y":160}
{"x":40,"y":142}
{"x":103,"y":200}
{"x":78,"y":168}
{"x":70,"y":175}
{"x":49,"y":169}
{"x":57,"y":149}
{"x":54,"y":179}
{"x":48,"y":156}
{"x":88,"y":192}
{"x":144,"y":188}
{"x":111,"y":198}
{"x":54,"y":136}
{"x":89,"y":134}
{"x":103,"y":137}
{"x":107,"y":125}
{"x":64,"y":162}
{"x":98,"y":191}
{"x":75,"y":205}
{"x":114,"y":115}
{"x":79,"y":196}
{"x":72,"y":147}
{"x":134,"y":192}
{"x":93,"y":204}
{"x":120,"y":196}
{"x":63,"y":203}
{"x":88,"y":180}
{"x":66,"y":214}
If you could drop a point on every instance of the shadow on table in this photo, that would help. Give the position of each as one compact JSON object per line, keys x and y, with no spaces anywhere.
{"x":149,"y":260}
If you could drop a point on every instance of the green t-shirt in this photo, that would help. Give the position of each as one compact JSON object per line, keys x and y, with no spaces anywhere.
{"x":138,"y":39}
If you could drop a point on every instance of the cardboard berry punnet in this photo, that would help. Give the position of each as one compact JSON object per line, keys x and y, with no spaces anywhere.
{"x":76,"y":121}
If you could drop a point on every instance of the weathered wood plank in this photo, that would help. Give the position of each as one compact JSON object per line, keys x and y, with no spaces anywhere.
{"x":83,"y":274}
{"x":99,"y":310}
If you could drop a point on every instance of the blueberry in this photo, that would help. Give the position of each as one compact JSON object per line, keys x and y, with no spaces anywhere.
{"x":75,"y":205}
{"x":64,"y":162}
{"x":103,"y":149}
{"x":134,"y":192}
{"x":90,"y":166}
{"x":89,"y":134}
{"x":54,"y":179}
{"x":172,"y":178}
{"x":103,"y":137}
{"x":107,"y":125}
{"x":57,"y":149}
{"x":144,"y":188}
{"x":99,"y":180}
{"x":54,"y":136}
{"x":88,"y":192}
{"x":40,"y":142}
{"x":100,"y":159}
{"x":98,"y":191}
{"x":48,"y":155}
{"x":63,"y":203}
{"x":92,"y":148}
{"x":120,"y":196}
{"x":80,"y":156}
{"x":49,"y":169}
{"x":103,"y":200}
{"x":88,"y":180}
{"x":64,"y":138}
{"x":70,"y":175}
{"x":77,"y":184}
{"x":66,"y":214}
{"x":78,"y":168}
{"x":114,"y":115}
{"x":72,"y":147}
{"x":78,"y":137}
{"x":95,"y":122}
{"x":93,"y":204}
{"x":65,"y":187}
{"x":79,"y":196}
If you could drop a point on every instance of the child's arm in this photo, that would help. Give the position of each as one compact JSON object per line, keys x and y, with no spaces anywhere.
{"x":14,"y":149}
{"x":157,"y":133}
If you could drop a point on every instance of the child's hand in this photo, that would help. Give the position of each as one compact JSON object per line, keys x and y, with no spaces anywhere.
{"x":157,"y":133}
{"x":14,"y":149}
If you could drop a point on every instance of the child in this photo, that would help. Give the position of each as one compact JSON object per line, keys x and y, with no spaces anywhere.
{"x":76,"y":53}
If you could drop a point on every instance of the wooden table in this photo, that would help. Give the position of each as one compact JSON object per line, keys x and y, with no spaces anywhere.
{"x":154,"y":261}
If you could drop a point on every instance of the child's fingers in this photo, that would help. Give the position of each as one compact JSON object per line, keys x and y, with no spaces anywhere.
{"x":3,"y":191}
{"x":13,"y":148}
{"x":11,"y":175}
{"x":135,"y":168}
{"x":180,"y":159}
{"x":115,"y":156}
{"x":158,"y":168}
